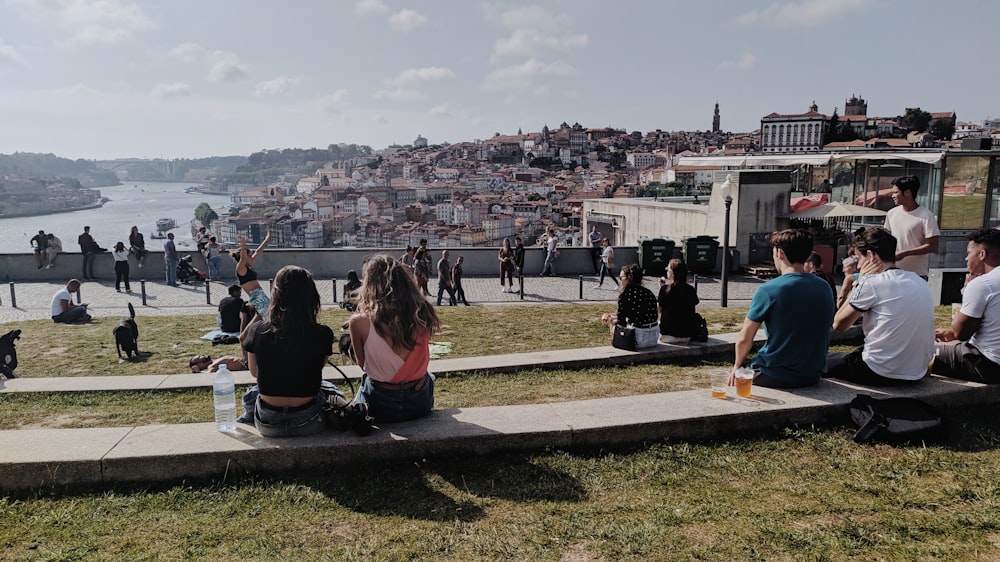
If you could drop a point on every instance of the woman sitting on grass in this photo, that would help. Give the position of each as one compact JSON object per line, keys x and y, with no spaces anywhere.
{"x":286,"y":354}
{"x":247,"y":276}
{"x":391,"y":335}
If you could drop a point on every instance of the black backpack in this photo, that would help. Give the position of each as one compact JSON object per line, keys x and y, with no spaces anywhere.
{"x":893,"y":419}
{"x":701,"y":329}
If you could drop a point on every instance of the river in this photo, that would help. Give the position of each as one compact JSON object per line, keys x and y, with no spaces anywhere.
{"x":134,"y":203}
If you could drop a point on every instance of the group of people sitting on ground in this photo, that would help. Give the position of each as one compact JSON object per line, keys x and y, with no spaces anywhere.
{"x":896,"y":310}
{"x":668,"y":317}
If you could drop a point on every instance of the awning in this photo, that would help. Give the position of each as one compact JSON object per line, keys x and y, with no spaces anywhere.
{"x":756,"y":160}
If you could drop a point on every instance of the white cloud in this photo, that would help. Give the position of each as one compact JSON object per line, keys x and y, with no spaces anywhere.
{"x":441,"y":110}
{"x":89,"y":22}
{"x":9,"y":56}
{"x":415,"y":76}
{"x":334,"y":102}
{"x":746,"y":62}
{"x":188,"y":52}
{"x":379,"y":119}
{"x":226,"y":68}
{"x":521,"y":75}
{"x":365,"y":7}
{"x":535,"y":17}
{"x":406,"y":20}
{"x":807,"y":13}
{"x":398,"y":94}
{"x":170,"y":91}
{"x":280,"y":86}
{"x":531,"y":42}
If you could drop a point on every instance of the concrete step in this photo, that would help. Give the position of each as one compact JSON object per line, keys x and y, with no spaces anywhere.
{"x":104,"y":457}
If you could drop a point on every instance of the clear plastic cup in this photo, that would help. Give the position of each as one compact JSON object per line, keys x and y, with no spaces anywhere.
{"x":718,"y":378}
{"x":744,"y":382}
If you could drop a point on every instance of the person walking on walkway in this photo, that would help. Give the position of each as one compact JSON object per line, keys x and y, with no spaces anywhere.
{"x":120,"y":254}
{"x":551,"y":252}
{"x":89,"y":249}
{"x":506,"y":257}
{"x":456,"y":280}
{"x":608,"y":265}
{"x":444,"y":279}
{"x":170,"y":259}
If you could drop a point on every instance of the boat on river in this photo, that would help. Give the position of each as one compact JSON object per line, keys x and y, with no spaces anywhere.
{"x":163,"y":225}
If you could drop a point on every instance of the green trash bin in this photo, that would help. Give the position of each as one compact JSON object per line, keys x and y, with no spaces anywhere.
{"x":654,"y":253}
{"x":700,"y":253}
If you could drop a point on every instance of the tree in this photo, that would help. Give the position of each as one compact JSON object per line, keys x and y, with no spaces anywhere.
{"x":834,"y":130}
{"x":204,"y":214}
{"x":942,"y":128}
{"x":916,"y":119}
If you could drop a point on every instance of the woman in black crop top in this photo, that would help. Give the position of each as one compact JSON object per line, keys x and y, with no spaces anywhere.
{"x":247,"y":276}
{"x":286,"y":354}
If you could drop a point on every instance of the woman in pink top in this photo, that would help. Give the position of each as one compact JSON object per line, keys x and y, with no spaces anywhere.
{"x":391,"y":333}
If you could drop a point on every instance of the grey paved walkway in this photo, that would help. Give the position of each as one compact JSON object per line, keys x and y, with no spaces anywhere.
{"x":33,"y":299}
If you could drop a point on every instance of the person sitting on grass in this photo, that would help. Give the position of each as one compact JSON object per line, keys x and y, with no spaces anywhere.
{"x":63,"y":309}
{"x":351,"y":290}
{"x":200,"y":363}
{"x":391,"y":333}
{"x":234,"y":314}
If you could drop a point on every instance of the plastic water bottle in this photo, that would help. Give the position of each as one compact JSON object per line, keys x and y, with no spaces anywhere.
{"x":224,"y":390}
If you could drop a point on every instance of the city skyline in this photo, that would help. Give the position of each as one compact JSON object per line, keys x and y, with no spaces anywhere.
{"x":101,"y":79}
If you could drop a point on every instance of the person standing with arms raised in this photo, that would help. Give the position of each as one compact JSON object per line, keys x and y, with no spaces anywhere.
{"x":915,"y":228}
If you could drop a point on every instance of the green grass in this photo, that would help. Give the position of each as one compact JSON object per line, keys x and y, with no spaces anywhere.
{"x":802,"y":494}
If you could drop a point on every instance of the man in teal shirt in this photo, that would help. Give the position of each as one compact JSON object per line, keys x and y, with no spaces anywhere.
{"x":796,"y":310}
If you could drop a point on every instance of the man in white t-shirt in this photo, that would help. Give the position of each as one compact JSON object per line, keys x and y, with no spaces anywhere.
{"x":63,"y":309}
{"x":971,"y":348}
{"x":898,"y":318}
{"x":914,"y":227}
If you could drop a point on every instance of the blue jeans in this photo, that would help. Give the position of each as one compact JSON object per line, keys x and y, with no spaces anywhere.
{"x":550,"y":263}
{"x":88,"y":265}
{"x":451,"y":293}
{"x":274,"y":421}
{"x":213,"y":267}
{"x":171,"y":265}
{"x":388,"y":406}
{"x":72,"y":315}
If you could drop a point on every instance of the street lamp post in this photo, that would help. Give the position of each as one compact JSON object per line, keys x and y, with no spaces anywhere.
{"x":726,"y":190}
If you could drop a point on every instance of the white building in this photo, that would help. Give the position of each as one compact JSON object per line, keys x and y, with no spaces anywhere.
{"x":793,"y":133}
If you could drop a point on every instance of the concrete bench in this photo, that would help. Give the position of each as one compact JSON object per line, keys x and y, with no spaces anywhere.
{"x":103,"y":457}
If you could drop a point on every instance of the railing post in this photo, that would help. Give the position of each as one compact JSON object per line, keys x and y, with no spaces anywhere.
{"x":208,"y":292}
{"x":142,"y":287}
{"x":13,"y":297}
{"x":581,"y":287}
{"x":334,"y":290}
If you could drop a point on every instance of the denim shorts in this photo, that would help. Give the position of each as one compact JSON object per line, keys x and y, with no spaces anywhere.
{"x":274,"y":421}
{"x":388,"y":406}
{"x":260,"y":301}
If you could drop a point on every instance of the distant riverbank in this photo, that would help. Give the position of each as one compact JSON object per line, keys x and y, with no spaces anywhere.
{"x":97,"y":205}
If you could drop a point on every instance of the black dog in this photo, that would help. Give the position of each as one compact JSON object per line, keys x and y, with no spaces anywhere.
{"x":127,"y":336}
{"x":8,"y":354}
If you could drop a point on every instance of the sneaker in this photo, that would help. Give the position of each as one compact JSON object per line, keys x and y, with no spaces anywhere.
{"x":49,"y":266}
{"x":597,"y":286}
{"x":618,"y":287}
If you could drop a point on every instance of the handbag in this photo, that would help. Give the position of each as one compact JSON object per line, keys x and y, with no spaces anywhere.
{"x":624,"y":338}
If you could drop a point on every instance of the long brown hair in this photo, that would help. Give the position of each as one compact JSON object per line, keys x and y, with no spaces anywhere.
{"x":392,"y":301}
{"x":294,"y":304}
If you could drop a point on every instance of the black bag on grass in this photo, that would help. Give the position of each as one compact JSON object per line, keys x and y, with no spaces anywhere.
{"x":701,"y":331}
{"x":893,"y":419}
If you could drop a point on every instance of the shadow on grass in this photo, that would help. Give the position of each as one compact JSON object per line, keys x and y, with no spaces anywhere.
{"x":423,"y":490}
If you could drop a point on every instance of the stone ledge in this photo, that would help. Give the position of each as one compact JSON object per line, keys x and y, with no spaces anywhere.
{"x":104,"y":457}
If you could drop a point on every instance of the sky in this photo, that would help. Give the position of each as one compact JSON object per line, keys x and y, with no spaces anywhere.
{"x":102,"y":79}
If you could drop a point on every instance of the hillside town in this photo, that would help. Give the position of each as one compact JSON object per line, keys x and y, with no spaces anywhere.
{"x":478,"y":193}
